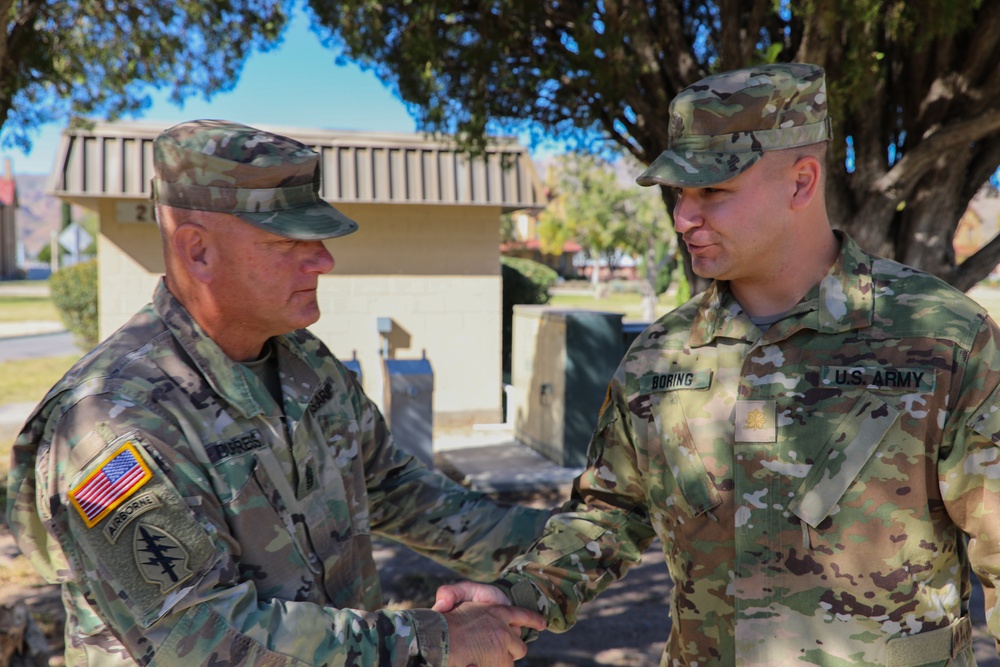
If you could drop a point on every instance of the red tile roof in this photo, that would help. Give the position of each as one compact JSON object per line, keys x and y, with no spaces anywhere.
{"x":7,"y":191}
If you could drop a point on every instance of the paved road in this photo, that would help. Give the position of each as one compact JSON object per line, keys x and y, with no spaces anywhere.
{"x":38,"y":345}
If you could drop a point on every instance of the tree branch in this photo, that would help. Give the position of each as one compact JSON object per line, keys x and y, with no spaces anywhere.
{"x":983,"y":165}
{"x":976,"y":267}
{"x":905,"y":174}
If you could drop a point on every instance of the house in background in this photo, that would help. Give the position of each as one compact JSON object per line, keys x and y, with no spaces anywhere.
{"x":420,"y":277}
{"x":524,"y":243}
{"x":8,"y":224}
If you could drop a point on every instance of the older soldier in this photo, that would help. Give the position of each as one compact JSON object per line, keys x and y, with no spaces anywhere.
{"x":205,"y":483}
{"x":813,"y":439}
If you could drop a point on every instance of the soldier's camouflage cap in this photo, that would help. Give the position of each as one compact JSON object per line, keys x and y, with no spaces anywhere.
{"x":723,"y":124}
{"x":266,"y":179}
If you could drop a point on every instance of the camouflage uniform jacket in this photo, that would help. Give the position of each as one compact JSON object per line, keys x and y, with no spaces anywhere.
{"x":810,"y":485}
{"x":191,"y":521}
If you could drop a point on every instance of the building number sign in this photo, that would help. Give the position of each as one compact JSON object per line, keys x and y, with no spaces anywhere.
{"x":134,"y":212}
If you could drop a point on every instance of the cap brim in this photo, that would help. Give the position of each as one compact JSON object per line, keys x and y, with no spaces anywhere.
{"x":306,"y":223}
{"x":693,"y":169}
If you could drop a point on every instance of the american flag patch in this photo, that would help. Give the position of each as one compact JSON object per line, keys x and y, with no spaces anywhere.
{"x":117,"y":478}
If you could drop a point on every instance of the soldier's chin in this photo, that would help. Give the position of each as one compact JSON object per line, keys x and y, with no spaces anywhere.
{"x":306,"y":317}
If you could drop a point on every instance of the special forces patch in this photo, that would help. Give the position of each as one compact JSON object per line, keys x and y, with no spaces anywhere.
{"x":161,"y":558}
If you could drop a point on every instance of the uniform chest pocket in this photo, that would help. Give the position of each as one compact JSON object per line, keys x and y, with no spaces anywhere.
{"x":851,"y":443}
{"x":678,"y":448}
{"x":265,"y":523}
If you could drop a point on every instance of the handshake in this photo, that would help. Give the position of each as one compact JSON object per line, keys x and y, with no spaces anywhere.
{"x":484,"y":629}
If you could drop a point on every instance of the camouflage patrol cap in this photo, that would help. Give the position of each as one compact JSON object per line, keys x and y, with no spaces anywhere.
{"x":723,"y":124}
{"x":266,"y":179}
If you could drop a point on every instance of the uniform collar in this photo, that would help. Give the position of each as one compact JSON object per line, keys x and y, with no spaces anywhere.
{"x":842,"y":301}
{"x":225,"y":376}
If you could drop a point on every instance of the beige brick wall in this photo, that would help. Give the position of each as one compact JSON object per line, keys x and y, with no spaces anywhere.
{"x":130,"y":264}
{"x":433,"y":270}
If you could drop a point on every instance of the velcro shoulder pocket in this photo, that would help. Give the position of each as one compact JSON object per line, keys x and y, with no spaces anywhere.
{"x":144,"y":541}
{"x":851,"y":443}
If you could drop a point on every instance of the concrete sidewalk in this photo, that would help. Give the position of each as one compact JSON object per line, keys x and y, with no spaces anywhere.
{"x":15,"y":414}
{"x":500,"y":465}
{"x":15,"y":288}
{"x":29,"y":328}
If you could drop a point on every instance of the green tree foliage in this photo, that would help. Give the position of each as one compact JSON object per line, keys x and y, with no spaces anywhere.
{"x":913,"y":85}
{"x":588,"y":205}
{"x":76,"y":58}
{"x":74,"y":293}
{"x":649,"y":237}
{"x":598,"y":208}
{"x":508,"y":228}
{"x":91,"y":224}
{"x":524,"y":282}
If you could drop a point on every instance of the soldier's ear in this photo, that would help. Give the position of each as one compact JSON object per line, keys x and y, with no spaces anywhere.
{"x":807,"y":172}
{"x":192,"y":248}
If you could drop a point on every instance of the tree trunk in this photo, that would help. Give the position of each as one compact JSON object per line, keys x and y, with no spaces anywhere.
{"x":647,"y":285}
{"x":595,"y":271}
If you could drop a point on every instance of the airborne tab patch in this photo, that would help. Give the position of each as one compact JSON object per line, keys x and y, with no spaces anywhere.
{"x":115,"y":479}
{"x":127,"y":512}
{"x":651,"y":383}
{"x":879,"y":377}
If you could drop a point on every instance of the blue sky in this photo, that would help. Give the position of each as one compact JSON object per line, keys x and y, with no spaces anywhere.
{"x":296,"y":84}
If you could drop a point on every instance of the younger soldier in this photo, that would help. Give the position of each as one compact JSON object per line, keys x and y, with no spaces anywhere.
{"x":812,"y":439}
{"x":205,"y":483}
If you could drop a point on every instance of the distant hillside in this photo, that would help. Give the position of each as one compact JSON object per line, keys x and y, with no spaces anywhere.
{"x":39,"y":214}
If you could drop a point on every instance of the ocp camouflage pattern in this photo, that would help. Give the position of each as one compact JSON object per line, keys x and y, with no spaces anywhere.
{"x":269,"y":180}
{"x":723,"y":124}
{"x":249,"y":543}
{"x":812,"y":486}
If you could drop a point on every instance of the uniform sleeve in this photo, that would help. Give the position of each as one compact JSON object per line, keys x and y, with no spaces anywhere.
{"x":148,"y":545}
{"x":435,"y":516}
{"x":600,"y":532}
{"x":969,"y":467}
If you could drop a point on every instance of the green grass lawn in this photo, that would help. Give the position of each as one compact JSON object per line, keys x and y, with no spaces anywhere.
{"x":23,"y":308}
{"x":25,"y":381}
{"x":627,"y":303}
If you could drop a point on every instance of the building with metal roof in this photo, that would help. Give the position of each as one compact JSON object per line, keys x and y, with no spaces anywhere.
{"x":425,"y":260}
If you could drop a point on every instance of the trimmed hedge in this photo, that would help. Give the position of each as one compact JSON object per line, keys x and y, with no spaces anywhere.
{"x":524,"y":282}
{"x":74,"y":293}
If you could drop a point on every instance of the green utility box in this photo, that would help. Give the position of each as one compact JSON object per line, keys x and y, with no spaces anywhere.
{"x":561,"y":363}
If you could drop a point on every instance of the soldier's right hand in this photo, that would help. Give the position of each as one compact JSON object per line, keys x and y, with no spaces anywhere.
{"x":450,"y":596}
{"x":484,"y":635}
